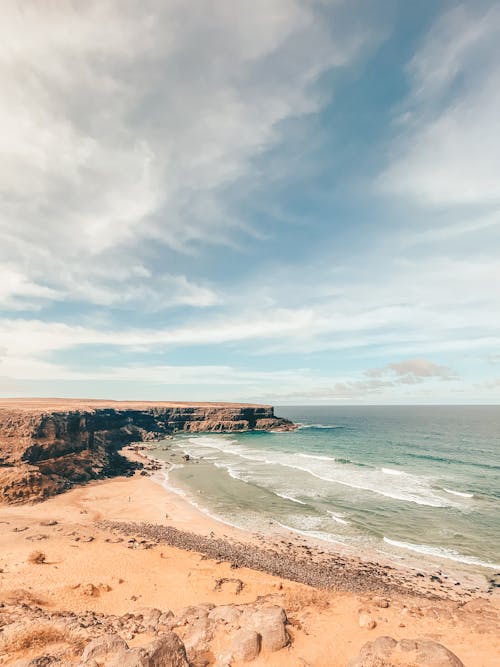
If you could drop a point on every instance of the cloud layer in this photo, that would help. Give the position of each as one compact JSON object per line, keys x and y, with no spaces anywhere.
{"x":135,"y":138}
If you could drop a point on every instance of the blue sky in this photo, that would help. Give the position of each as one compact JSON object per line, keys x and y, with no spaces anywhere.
{"x":278,"y":201}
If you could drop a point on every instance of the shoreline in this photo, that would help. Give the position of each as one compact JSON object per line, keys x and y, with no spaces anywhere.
{"x":175,"y":557}
{"x":409,"y":572}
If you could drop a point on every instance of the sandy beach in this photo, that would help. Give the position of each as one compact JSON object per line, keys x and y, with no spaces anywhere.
{"x":97,"y":562}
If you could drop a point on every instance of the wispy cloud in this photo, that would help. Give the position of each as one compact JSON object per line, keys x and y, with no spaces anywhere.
{"x":448,"y":148}
{"x":123,"y":122}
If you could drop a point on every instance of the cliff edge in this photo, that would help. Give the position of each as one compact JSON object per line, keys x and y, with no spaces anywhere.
{"x":49,"y":445}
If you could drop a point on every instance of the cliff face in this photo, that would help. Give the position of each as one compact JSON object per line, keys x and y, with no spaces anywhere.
{"x":49,"y":446}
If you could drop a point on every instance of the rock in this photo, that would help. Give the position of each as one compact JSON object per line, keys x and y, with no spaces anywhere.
{"x":105,"y":646}
{"x":197,"y":637}
{"x":150,"y":616}
{"x":166,"y":651}
{"x":40,"y":661}
{"x":406,"y":652}
{"x":245,"y":645}
{"x":225,"y":613}
{"x":269,"y":623}
{"x":48,"y":446}
{"x":380,"y":602}
{"x":90,"y":590}
{"x":367,"y":622}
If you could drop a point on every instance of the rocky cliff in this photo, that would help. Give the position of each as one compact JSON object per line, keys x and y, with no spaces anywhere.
{"x":48,"y":446}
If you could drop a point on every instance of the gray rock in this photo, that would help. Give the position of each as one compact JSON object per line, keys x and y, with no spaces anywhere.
{"x":225,"y":613}
{"x":150,"y":617}
{"x":40,"y":661}
{"x":388,"y":652}
{"x":245,"y":645}
{"x":166,"y":651}
{"x":102,"y":647}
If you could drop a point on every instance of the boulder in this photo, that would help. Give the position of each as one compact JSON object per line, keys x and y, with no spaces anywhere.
{"x":113,"y":651}
{"x":387,"y":652}
{"x":225,"y":613}
{"x":245,"y":645}
{"x":150,"y":617}
{"x":166,"y":651}
{"x":102,"y":647}
{"x":269,"y":623}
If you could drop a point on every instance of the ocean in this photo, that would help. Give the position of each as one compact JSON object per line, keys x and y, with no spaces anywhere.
{"x":416,"y":484}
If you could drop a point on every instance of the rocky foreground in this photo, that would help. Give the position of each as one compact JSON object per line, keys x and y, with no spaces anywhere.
{"x":49,"y":445}
{"x":198,"y":636}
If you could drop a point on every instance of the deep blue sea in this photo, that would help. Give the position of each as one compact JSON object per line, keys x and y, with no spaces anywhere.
{"x":401,"y":481}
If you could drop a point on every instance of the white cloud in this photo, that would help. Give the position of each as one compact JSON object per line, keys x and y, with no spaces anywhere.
{"x":412,"y":371}
{"x":122,"y":121}
{"x":448,"y":149}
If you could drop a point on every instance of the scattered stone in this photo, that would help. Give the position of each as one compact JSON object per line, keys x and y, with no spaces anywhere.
{"x":40,"y":661}
{"x":239,"y":585}
{"x":48,"y":522}
{"x":90,"y":590}
{"x":37,"y":558}
{"x":380,"y":602}
{"x":367,"y":622}
{"x":406,"y":652}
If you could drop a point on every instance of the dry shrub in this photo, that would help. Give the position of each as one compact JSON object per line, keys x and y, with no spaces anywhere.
{"x":21,"y":596}
{"x":36,"y":635}
{"x":37,"y":557}
{"x":296,"y":600}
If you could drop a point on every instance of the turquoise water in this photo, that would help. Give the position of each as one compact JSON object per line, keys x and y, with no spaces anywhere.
{"x":423,"y":481}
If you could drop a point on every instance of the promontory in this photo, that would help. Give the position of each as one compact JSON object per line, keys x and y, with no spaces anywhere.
{"x":49,"y":445}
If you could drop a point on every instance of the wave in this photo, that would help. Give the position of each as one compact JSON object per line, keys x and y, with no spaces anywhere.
{"x":440,"y":552}
{"x":316,"y":534}
{"x":316,"y":457}
{"x":443,"y":459}
{"x":391,"y":471}
{"x":421,"y":494}
{"x":287,"y":497}
{"x":338,"y":518}
{"x":430,"y":500}
{"x":321,"y":426}
{"x":459,"y":493}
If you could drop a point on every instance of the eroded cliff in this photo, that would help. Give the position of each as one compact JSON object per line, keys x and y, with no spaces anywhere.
{"x":48,"y":446}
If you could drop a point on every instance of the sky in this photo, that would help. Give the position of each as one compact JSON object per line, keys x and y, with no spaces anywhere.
{"x":278,"y":201}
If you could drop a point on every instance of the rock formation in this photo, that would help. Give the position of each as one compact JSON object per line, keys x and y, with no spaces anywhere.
{"x":387,"y":652}
{"x":195,"y":637}
{"x":47,"y":446}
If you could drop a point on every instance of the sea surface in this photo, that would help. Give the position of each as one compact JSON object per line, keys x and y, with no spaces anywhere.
{"x":405,"y":482}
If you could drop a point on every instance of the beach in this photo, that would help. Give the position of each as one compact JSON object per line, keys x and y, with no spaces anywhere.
{"x":107,"y":553}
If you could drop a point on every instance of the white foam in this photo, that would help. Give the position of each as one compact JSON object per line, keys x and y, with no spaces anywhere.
{"x":338,"y":518}
{"x":391,"y":471}
{"x":316,"y":534}
{"x":301,"y":426}
{"x":316,"y":457}
{"x":440,"y":552}
{"x":413,"y":489}
{"x":287,"y":497}
{"x":459,"y":493}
